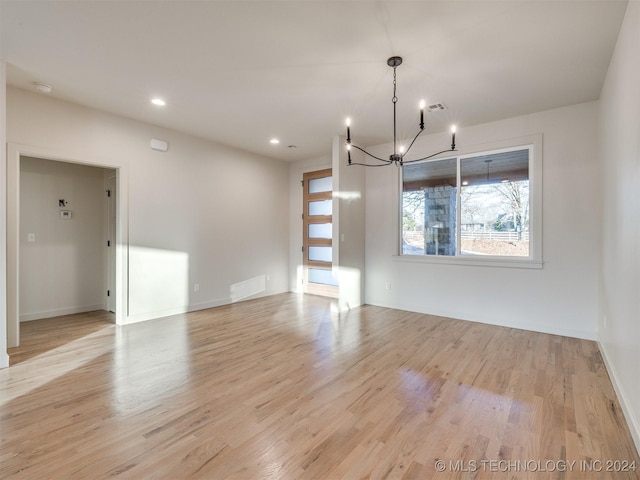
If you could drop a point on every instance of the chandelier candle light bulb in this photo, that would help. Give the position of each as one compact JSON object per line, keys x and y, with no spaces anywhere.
{"x":398,"y":155}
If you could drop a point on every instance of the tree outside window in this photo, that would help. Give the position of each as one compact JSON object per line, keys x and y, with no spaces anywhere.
{"x":493,"y":216}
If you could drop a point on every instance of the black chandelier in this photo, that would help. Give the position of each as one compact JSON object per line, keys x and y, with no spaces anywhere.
{"x":399,"y":152}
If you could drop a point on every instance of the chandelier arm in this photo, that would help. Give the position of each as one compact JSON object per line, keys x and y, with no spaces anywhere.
{"x":370,"y":165}
{"x":412,"y":142}
{"x":367,"y":153}
{"x":428,"y":157}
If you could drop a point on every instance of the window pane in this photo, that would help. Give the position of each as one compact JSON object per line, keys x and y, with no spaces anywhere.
{"x":494,"y":198}
{"x":320,"y":275}
{"x":320,"y":230}
{"x":429,"y":208}
{"x":321,"y":207}
{"x":318,"y":185}
{"x":320,"y":254}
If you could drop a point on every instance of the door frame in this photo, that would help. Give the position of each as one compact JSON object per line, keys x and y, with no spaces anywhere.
{"x":315,"y":288}
{"x":111,"y":230}
{"x":14,"y":152}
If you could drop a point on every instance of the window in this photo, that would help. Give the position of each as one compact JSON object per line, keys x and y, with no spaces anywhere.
{"x":474,"y":206}
{"x":429,"y":208}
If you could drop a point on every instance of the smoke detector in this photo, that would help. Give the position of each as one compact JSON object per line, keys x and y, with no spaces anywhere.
{"x":43,"y":87}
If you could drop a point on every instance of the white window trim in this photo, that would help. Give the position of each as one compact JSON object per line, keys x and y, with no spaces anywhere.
{"x":534,"y":260}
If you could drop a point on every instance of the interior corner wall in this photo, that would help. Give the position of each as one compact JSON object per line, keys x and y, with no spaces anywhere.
{"x":204,"y":224}
{"x":349,"y":227}
{"x":4,"y":358}
{"x":560,"y":298}
{"x":62,"y":268}
{"x":619,"y":320}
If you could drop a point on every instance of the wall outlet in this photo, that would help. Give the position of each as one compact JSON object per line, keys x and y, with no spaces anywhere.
{"x":31,"y":237}
{"x":387,"y":285}
{"x":196,"y":287}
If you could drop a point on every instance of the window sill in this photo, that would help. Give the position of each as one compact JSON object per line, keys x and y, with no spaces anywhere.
{"x":469,"y":261}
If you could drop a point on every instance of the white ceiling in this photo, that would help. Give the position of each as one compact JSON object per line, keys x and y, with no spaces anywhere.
{"x":242,"y":72}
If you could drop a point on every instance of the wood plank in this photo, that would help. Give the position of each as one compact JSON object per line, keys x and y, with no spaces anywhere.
{"x":281,"y":387}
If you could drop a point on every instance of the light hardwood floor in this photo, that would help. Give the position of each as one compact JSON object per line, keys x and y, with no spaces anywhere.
{"x":281,"y":388}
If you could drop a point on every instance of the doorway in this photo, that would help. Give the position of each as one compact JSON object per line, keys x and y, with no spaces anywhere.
{"x":14,"y":154}
{"x":64,"y":226}
{"x":317,"y":233}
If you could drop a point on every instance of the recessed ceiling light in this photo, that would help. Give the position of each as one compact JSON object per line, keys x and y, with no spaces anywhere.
{"x":159,"y":102}
{"x":274,"y":141}
{"x":43,"y":87}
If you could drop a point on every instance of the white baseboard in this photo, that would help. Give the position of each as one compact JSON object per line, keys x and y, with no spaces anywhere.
{"x":228,"y":300}
{"x":212,"y":304}
{"x":143,"y":317}
{"x":632,"y":421}
{"x":27,"y":317}
{"x":531,"y":327}
{"x":4,"y":360}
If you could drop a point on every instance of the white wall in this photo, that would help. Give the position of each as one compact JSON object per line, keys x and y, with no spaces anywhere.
{"x":560,"y":298}
{"x":4,"y":358}
{"x":619,"y":335}
{"x":63,"y":270}
{"x":199,"y":213}
{"x":349,"y":226}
